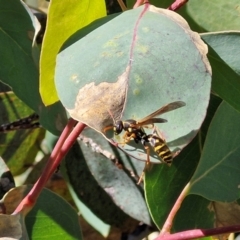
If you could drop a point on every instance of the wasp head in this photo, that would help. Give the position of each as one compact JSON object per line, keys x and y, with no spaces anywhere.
{"x":118,"y":127}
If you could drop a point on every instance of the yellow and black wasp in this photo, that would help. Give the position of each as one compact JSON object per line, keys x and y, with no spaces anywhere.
{"x":134,"y":130}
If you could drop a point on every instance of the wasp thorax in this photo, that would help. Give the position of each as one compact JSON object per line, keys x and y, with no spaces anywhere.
{"x":130,"y":129}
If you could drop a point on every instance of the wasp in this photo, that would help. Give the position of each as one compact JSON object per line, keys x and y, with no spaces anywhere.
{"x":134,"y":130}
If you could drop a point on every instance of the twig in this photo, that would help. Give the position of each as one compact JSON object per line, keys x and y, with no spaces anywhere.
{"x":122,"y":5}
{"x":23,"y":123}
{"x":97,"y":148}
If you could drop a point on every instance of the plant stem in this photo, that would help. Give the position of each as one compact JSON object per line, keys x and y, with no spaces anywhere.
{"x":139,"y":3}
{"x":199,"y":233}
{"x":122,"y":5}
{"x":66,"y":140}
{"x":177,"y":4}
{"x":168,"y":223}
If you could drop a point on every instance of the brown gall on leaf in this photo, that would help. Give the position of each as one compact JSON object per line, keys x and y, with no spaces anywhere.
{"x":100,"y":105}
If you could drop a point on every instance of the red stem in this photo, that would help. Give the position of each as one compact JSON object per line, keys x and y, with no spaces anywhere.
{"x":190,"y":234}
{"x":177,"y":4}
{"x":174,"y":6}
{"x":146,"y":6}
{"x":66,"y":140}
{"x":168,"y":223}
{"x":139,"y":3}
{"x":199,"y":233}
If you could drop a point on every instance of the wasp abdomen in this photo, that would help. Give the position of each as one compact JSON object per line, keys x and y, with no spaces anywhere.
{"x":161,"y":148}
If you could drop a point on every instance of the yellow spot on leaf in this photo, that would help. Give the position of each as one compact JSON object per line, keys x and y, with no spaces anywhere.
{"x":138,"y":79}
{"x":74,"y":78}
{"x":142,"y":48}
{"x":136,"y":91}
{"x":145,"y":29}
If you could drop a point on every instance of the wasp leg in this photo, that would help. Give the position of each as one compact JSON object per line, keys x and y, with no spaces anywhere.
{"x":157,"y":132}
{"x":174,"y":154}
{"x":147,"y":164}
{"x":127,"y":138}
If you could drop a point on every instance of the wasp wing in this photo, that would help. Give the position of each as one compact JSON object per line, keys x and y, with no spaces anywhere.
{"x":167,"y":108}
{"x":151,"y":121}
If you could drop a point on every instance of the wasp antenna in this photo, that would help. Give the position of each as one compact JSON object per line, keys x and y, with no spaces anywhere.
{"x":112,"y":126}
{"x":112,"y":117}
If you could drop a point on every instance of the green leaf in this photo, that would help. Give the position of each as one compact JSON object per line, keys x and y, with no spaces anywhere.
{"x":52,"y":216}
{"x":86,"y":30}
{"x":64,"y":19}
{"x":215,"y":15}
{"x":18,"y":67}
{"x":118,"y":184}
{"x":195,"y":212}
{"x":224,"y":56}
{"x":163,"y":184}
{"x":110,"y":193}
{"x":132,"y":69}
{"x":89,"y":216}
{"x":18,"y":148}
{"x":17,"y":28}
{"x":226,"y":45}
{"x":217,"y":175}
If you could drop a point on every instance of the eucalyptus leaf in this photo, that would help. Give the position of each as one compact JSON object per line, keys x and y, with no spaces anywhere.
{"x":50,"y":216}
{"x":22,"y":76}
{"x":217,"y":175}
{"x":53,"y":216}
{"x":195,"y":212}
{"x":134,"y":67}
{"x":226,"y":45}
{"x":215,"y":15}
{"x":114,"y":190}
{"x":225,"y":61}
